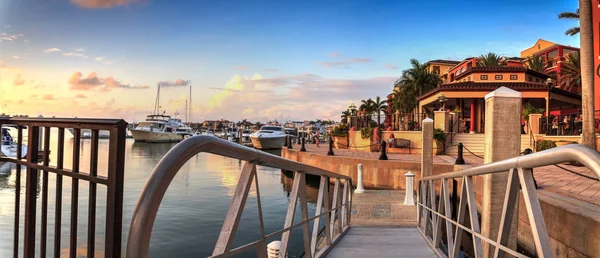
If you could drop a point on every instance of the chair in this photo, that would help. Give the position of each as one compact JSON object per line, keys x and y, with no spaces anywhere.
{"x":402,"y":143}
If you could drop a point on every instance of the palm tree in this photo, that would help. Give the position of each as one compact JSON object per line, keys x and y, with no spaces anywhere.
{"x":537,"y":63}
{"x":413,"y":83}
{"x":570,"y":73}
{"x":570,"y":16}
{"x":345,"y":116}
{"x":367,"y":109}
{"x":491,"y":60}
{"x":586,"y":35}
{"x":379,"y":106}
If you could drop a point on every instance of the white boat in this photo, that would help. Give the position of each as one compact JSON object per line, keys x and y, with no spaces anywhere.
{"x":87,"y":133}
{"x":209,"y":133}
{"x":181,"y":128}
{"x":157,"y":128}
{"x":9,"y":147}
{"x":232,"y":134}
{"x":268,"y":137}
{"x":246,"y":135}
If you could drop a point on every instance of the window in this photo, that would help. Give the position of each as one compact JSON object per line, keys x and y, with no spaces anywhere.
{"x":463,"y":69}
{"x":469,"y":65}
{"x":483,"y":77}
{"x":436,"y":69}
{"x":498,"y":77}
{"x":469,"y":78}
{"x":513,"y":77}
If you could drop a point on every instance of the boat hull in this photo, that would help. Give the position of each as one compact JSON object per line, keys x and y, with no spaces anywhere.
{"x":267,"y":143}
{"x":11,"y":151}
{"x":155,"y":137}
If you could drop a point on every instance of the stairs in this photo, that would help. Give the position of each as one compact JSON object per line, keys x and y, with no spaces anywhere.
{"x":476,"y":142}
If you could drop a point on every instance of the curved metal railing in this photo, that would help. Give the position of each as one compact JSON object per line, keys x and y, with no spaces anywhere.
{"x":434,"y":206}
{"x":145,"y":212}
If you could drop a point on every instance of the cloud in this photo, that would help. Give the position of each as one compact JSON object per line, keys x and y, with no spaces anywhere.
{"x":100,"y":58}
{"x":80,"y":49}
{"x":93,"y":4}
{"x":93,"y":82}
{"x":345,"y":63}
{"x":178,"y":82}
{"x":7,"y":67}
{"x":51,"y":50}
{"x":272,"y":70}
{"x":16,"y":57}
{"x":80,"y":96}
{"x":335,"y":54}
{"x":76,"y":54}
{"x":20,"y":101}
{"x":48,"y":97}
{"x":5,"y":37}
{"x":18,"y":81}
{"x":218,"y":88}
{"x":241,"y":68}
{"x":391,"y":66}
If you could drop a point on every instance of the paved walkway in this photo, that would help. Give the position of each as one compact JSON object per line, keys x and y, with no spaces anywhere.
{"x":382,"y":208}
{"x":550,"y":178}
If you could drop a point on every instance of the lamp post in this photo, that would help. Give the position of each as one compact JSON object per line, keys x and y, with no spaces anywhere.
{"x":352,"y":109}
{"x":442,"y":100}
{"x":548,"y":126}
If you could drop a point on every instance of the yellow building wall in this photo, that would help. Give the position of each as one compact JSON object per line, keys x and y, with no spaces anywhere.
{"x":538,"y":46}
{"x":443,"y":68}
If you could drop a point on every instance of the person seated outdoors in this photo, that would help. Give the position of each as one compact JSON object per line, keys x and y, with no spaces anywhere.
{"x":567,"y":125}
{"x":554,"y":125}
{"x":391,"y":141}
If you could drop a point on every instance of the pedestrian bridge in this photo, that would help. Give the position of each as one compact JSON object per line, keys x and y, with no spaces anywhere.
{"x":441,"y":230}
{"x":447,"y":224}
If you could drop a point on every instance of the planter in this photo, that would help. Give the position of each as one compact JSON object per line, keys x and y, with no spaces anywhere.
{"x":340,"y":142}
{"x":439,"y":148}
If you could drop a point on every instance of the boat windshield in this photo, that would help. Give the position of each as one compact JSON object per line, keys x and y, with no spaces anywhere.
{"x":270,"y":128}
{"x":162,"y":118}
{"x":148,"y":125}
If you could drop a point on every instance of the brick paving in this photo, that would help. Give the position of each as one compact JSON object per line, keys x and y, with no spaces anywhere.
{"x":382,"y":208}
{"x":549,"y":178}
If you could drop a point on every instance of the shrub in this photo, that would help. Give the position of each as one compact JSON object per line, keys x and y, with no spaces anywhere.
{"x":366,"y":132}
{"x":544,"y":145}
{"x":530,"y":109}
{"x":340,"y":131}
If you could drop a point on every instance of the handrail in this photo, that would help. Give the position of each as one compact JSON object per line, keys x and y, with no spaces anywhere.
{"x":432,"y":215}
{"x":571,"y":152}
{"x":149,"y":201}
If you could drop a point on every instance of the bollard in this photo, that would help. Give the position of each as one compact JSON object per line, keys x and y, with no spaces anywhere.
{"x":286,"y":141}
{"x":409,"y":197}
{"x":299,"y":138}
{"x":527,"y":152}
{"x":459,"y":159}
{"x":289,"y":146}
{"x":273,"y":249}
{"x":383,"y":155}
{"x":303,"y":149}
{"x":330,"y":153}
{"x":359,"y":187}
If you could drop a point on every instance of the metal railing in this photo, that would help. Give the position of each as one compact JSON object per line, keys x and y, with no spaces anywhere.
{"x":147,"y":207}
{"x":113,"y":182}
{"x":432,"y":216}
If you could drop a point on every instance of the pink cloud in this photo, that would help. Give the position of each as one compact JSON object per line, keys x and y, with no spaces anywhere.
{"x":178,"y":82}
{"x":335,"y":54}
{"x":241,"y":68}
{"x":93,"y":82}
{"x":18,"y":81}
{"x":48,"y":97}
{"x":80,"y":96}
{"x":93,"y":4}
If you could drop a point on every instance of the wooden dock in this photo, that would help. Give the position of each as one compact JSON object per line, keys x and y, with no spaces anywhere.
{"x":382,"y":226}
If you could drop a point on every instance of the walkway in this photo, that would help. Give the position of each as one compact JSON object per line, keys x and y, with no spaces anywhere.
{"x":382,"y":226}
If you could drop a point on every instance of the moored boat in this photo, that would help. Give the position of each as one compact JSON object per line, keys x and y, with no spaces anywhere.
{"x":268,"y":138}
{"x":156,"y":128}
{"x":9,"y":148}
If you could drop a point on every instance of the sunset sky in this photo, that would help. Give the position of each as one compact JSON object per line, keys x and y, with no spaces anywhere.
{"x":260,"y":60}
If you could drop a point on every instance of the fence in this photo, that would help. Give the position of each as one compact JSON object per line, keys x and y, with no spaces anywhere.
{"x":40,"y":128}
{"x":566,"y":124}
{"x":437,"y":217}
{"x":158,"y":183}
{"x":398,"y":122}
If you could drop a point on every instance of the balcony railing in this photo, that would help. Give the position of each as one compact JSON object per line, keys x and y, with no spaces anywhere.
{"x":435,"y":210}
{"x":336,"y":214}
{"x":37,"y":162}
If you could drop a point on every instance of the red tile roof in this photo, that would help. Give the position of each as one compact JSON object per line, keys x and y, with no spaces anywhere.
{"x":501,"y":69}
{"x":491,"y":86}
{"x":442,"y":61}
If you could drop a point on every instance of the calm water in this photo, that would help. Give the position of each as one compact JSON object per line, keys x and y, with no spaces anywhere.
{"x":190,"y":216}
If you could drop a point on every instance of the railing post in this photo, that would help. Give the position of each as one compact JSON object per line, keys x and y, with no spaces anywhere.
{"x":330,"y":152}
{"x":409,"y":196}
{"x":427,"y":153}
{"x":273,"y":249}
{"x":459,"y":158}
{"x":31,"y":184}
{"x":286,"y":140}
{"x":383,"y":155}
{"x":527,"y":152}
{"x":359,"y":185}
{"x":303,"y":149}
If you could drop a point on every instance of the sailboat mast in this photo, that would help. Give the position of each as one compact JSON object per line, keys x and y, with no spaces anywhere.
{"x":157,"y":101}
{"x":186,"y":110}
{"x":190,"y":107}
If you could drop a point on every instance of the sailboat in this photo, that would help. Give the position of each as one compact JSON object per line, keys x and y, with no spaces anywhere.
{"x":158,"y":127}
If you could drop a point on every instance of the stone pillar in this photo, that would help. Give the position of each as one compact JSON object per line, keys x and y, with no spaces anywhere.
{"x":359,"y":188}
{"x":472,"y":123}
{"x":427,"y":153}
{"x":409,"y":196}
{"x":534,"y":123}
{"x":441,"y":119}
{"x":502,"y":141}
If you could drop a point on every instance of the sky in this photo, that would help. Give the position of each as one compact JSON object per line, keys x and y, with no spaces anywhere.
{"x":256,"y":60}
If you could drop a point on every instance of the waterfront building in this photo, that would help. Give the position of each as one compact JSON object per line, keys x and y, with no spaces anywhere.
{"x":554,"y":54}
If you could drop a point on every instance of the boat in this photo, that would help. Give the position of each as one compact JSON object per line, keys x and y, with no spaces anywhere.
{"x":181,"y":128}
{"x":157,"y":128}
{"x":246,"y":135}
{"x":268,"y":138}
{"x":209,"y":133}
{"x":9,"y":147}
{"x":232,"y":134}
{"x":87,"y":133}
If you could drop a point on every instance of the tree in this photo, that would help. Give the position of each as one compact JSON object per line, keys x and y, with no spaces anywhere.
{"x":379,"y":106}
{"x":570,"y":16}
{"x":491,"y":60}
{"x":586,"y":35}
{"x":537,"y":63}
{"x":220,"y":126}
{"x":345,"y":116}
{"x":413,"y":83}
{"x":570,"y":73}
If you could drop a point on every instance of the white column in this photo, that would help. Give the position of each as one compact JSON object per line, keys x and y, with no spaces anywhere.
{"x":359,"y":187}
{"x":409,"y":197}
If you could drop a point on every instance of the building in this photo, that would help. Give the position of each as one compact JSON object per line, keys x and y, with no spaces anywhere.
{"x":441,"y":67}
{"x":212,"y":124}
{"x":553,"y":53}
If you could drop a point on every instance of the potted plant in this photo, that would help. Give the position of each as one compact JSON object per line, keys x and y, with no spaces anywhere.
{"x":440,"y":141}
{"x":529,"y":109}
{"x":340,"y":136}
{"x":544,"y":145}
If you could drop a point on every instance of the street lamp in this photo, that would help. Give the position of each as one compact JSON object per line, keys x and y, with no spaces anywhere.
{"x":548,"y":126}
{"x":442,"y":100}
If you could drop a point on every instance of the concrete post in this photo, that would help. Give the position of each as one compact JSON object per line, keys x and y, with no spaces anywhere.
{"x":534,"y":123}
{"x":441,"y":120}
{"x":273,"y":249}
{"x":502,"y":141}
{"x":427,"y":153}
{"x":359,"y":188}
{"x":409,"y":197}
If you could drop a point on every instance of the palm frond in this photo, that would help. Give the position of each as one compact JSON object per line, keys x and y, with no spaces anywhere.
{"x":569,"y":15}
{"x":572,"y":31}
